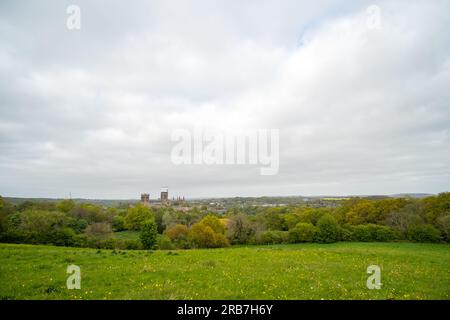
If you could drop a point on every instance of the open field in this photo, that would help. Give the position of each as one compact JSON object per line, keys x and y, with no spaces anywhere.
{"x":126,"y":235}
{"x":304,"y":271}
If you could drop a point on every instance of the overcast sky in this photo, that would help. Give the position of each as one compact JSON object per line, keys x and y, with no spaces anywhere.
{"x":361,"y":108}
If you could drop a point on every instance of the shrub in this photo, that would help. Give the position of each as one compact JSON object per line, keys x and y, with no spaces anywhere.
{"x":164,"y":243}
{"x":63,"y":237}
{"x":302,"y":232}
{"x":111,"y":243}
{"x":78,"y":225}
{"x":383,"y":233}
{"x":38,"y":226}
{"x":132,"y":244}
{"x":272,"y":237}
{"x":118,"y":223}
{"x":178,"y":234}
{"x":373,"y":232}
{"x":346,"y":233}
{"x":203,"y":236}
{"x":328,"y":229}
{"x":220,"y":240}
{"x":102,"y":243}
{"x":100,"y":230}
{"x":424,"y":233}
{"x":148,"y":234}
{"x":362,"y":233}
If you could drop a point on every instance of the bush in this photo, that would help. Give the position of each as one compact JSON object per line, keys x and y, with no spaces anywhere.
{"x":178,"y":234}
{"x":118,"y":223}
{"x":373,"y":232}
{"x":203,"y":236}
{"x":100,"y":230}
{"x":80,"y":240}
{"x":272,"y":237}
{"x":102,"y":243}
{"x":132,"y":244}
{"x":383,"y":233}
{"x":63,"y":237}
{"x":424,"y":233}
{"x":164,"y":243}
{"x":362,"y":233}
{"x":220,"y":240}
{"x":148,"y":234}
{"x":78,"y":225}
{"x":112,"y":243}
{"x":39,"y":227}
{"x":12,"y":236}
{"x":328,"y":229}
{"x":302,"y":232}
{"x":346,"y":233}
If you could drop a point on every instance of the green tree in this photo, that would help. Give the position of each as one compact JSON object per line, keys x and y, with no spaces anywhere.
{"x":361,"y":212}
{"x":273,"y":219}
{"x":328,"y":229}
{"x":214,"y":223}
{"x":65,"y":205}
{"x":443,"y":224}
{"x":89,"y":212}
{"x":302,"y":232}
{"x":424,"y":233}
{"x":401,"y":220}
{"x":149,"y":233}
{"x":39,"y":226}
{"x":178,"y":234}
{"x":5,"y":209}
{"x":203,"y":236}
{"x":118,"y":223}
{"x":136,"y":216}
{"x":291,"y":220}
{"x":436,"y":206}
{"x":240,"y":229}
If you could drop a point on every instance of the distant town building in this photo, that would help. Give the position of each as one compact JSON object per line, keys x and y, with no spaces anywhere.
{"x":163,"y":200}
{"x":164,"y":194}
{"x":145,"y":198}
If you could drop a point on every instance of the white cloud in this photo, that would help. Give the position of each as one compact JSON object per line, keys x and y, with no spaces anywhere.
{"x":359,"y":110}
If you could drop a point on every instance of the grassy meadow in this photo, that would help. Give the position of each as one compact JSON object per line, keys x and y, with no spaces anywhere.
{"x":299,"y":271}
{"x":126,"y":235}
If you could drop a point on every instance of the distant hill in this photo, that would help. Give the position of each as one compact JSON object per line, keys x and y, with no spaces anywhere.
{"x":227,"y":201}
{"x":412,"y":195}
{"x":103,"y":202}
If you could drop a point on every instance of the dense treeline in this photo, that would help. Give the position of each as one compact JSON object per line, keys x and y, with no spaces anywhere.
{"x":67,"y":223}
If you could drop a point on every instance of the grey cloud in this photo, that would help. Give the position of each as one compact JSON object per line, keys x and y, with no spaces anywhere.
{"x":91,"y":112}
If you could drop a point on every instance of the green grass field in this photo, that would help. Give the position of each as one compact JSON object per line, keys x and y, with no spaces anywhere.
{"x":126,"y":235}
{"x":304,"y":271}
